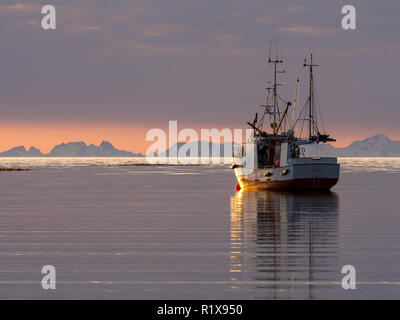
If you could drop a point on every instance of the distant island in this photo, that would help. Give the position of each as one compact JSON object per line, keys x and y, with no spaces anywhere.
{"x":379,"y":145}
{"x":72,"y":149}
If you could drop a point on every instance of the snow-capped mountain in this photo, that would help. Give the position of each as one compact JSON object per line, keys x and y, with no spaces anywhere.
{"x":72,"y":149}
{"x":379,"y":145}
{"x":198,"y":145}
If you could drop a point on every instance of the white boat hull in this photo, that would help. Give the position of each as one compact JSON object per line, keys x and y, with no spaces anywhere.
{"x":301,"y":174}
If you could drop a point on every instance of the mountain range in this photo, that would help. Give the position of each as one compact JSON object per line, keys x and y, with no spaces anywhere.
{"x":72,"y":149}
{"x":379,"y":145}
{"x":198,"y":145}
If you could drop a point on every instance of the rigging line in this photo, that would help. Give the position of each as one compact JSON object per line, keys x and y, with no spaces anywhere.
{"x":303,"y":120}
{"x":314,"y":116}
{"x":261,"y":122}
{"x":317,"y":113}
{"x":301,"y":131}
{"x":280,"y":98}
{"x":315,"y":127}
{"x":322,"y":121}
{"x":279,"y":113}
{"x":265,"y":109}
{"x":301,"y":112}
{"x":284,"y":119}
{"x":294,"y":105}
{"x":320,"y":113}
{"x":268,"y":102}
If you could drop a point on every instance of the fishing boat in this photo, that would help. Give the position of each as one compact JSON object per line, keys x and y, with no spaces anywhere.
{"x":276,"y":158}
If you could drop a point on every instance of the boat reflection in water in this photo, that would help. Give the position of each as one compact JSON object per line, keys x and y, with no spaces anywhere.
{"x":285,"y":245}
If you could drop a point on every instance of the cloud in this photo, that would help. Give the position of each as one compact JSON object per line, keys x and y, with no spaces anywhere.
{"x":19,"y":7}
{"x":91,"y":28}
{"x":32,"y":22}
{"x":373,"y":50}
{"x":129,"y":15}
{"x":156,"y":49}
{"x":309,"y":30}
{"x":152,"y":33}
{"x":295,"y":8}
{"x":83,"y":28}
{"x":268,"y":18}
{"x":138,"y":57}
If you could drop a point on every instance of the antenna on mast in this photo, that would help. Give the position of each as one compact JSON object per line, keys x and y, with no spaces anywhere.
{"x":294,"y":104}
{"x":270,"y":45}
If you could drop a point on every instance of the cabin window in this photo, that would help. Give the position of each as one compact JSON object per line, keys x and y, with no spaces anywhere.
{"x":271,"y":155}
{"x":262,"y":156}
{"x":295,"y":152}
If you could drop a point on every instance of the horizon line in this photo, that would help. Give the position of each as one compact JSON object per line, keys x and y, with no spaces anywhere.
{"x":138,"y":152}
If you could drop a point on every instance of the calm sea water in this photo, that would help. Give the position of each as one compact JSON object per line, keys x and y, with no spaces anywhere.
{"x":165,"y":232}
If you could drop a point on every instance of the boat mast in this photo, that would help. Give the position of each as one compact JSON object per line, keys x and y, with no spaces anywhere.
{"x":311,"y":97}
{"x":275,"y":94}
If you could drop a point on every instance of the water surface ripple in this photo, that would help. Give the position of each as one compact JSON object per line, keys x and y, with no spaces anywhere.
{"x":165,"y":232}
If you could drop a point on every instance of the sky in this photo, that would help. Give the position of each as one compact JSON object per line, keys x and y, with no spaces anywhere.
{"x":112,"y":70}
